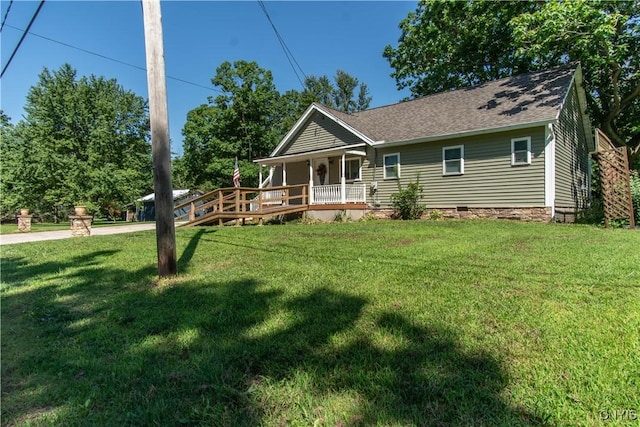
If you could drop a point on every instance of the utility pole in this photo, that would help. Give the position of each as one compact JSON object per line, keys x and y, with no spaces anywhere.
{"x":160,"y":143}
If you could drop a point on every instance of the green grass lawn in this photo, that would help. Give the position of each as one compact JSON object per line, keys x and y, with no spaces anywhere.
{"x":373,"y":323}
{"x":9,"y":228}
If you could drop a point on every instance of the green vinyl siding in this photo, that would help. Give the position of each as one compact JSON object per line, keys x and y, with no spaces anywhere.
{"x":572,"y":156}
{"x":489,"y":179}
{"x":319,"y":133}
{"x":297,"y":173}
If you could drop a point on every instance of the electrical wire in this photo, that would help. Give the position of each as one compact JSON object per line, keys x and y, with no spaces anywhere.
{"x":33,"y":18}
{"x":113,"y":59}
{"x":284,"y":46}
{"x":5,"y":16}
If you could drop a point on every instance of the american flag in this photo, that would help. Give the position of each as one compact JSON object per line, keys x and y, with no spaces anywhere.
{"x":236,"y":175}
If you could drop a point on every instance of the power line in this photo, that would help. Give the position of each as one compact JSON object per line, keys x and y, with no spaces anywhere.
{"x":114,"y":59}
{"x":33,"y":18}
{"x":5,"y":16}
{"x":284,"y":46}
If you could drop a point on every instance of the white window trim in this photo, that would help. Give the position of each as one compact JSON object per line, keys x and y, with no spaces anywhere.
{"x":513,"y":152}
{"x":384,"y":167}
{"x":350,"y":159}
{"x":444,"y":164}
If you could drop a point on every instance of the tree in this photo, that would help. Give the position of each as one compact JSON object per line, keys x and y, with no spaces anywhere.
{"x":339,"y":96}
{"x":318,"y":89}
{"x":9,"y":166}
{"x":82,"y":140}
{"x":249,"y":118}
{"x":244,"y":121}
{"x":605,"y":38}
{"x":450,"y":45}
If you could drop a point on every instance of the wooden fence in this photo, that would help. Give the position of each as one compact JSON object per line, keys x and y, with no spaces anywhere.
{"x":614,"y":180}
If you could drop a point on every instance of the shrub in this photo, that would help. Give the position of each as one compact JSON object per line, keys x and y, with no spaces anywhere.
{"x":341,"y":216}
{"x":406,"y":203}
{"x":369,"y":216}
{"x":594,"y":214}
{"x":436,"y":215}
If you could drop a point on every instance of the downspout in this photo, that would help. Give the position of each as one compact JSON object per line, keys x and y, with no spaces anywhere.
{"x":550,"y":169}
{"x":374,"y":190}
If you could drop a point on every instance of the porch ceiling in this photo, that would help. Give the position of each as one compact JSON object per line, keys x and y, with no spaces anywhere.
{"x":290,"y":158}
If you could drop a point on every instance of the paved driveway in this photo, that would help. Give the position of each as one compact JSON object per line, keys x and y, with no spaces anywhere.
{"x":11,"y":239}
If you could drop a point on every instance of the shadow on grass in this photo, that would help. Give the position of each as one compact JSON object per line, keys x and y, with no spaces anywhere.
{"x":233,"y":353}
{"x":190,"y":249}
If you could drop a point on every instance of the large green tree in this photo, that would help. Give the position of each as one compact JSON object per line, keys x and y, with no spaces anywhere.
{"x":244,"y":121}
{"x":605,"y":37}
{"x":448,"y":45}
{"x":249,"y":118}
{"x":10,"y":167}
{"x":82,"y":140}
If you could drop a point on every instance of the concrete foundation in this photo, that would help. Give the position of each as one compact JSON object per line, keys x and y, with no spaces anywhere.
{"x":533,"y":214}
{"x":335,"y":214}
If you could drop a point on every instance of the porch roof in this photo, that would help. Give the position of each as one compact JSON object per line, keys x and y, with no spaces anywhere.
{"x":290,"y":158}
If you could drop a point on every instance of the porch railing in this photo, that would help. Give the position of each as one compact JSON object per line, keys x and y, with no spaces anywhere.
{"x":331,"y":194}
{"x":268,"y":197}
{"x":242,"y":202}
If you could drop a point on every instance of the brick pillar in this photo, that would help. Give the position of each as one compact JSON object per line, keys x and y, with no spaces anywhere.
{"x":24,"y":223}
{"x":80,"y":225}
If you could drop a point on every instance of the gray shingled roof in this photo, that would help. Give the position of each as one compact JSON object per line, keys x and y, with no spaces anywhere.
{"x":518,"y":100}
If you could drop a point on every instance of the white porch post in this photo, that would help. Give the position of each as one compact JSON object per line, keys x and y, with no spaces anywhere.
{"x":310,"y":181}
{"x":284,"y":174}
{"x":259,"y":176}
{"x":285,"y":192}
{"x":343,"y":182}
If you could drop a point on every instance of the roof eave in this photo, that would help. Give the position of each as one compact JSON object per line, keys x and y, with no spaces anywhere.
{"x":464,"y":134}
{"x":277,"y":160}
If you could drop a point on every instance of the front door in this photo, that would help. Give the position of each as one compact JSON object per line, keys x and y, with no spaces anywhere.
{"x":321,"y":171}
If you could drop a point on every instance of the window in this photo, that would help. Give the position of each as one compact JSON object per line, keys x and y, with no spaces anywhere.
{"x":391,"y":166}
{"x":521,"y":151}
{"x":453,"y":160}
{"x":352,"y":169}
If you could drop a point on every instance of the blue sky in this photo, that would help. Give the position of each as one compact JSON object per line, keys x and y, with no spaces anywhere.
{"x":198,"y":37}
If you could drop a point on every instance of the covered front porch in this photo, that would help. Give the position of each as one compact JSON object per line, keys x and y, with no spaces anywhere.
{"x":334,"y":176}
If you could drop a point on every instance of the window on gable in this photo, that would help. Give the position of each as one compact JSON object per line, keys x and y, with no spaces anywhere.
{"x":453,"y":160}
{"x":521,"y":151}
{"x":352,"y":169}
{"x":391,"y":166}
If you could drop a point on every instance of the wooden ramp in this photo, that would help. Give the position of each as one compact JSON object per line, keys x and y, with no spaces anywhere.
{"x":241,"y":203}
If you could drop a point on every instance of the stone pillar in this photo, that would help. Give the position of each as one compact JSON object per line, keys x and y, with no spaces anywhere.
{"x":24,"y":223}
{"x":80,"y":225}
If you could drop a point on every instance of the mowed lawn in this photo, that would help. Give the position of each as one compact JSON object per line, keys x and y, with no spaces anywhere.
{"x":369,"y":323}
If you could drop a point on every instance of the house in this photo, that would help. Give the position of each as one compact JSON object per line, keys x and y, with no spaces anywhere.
{"x":146,"y":210}
{"x":511,"y":148}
